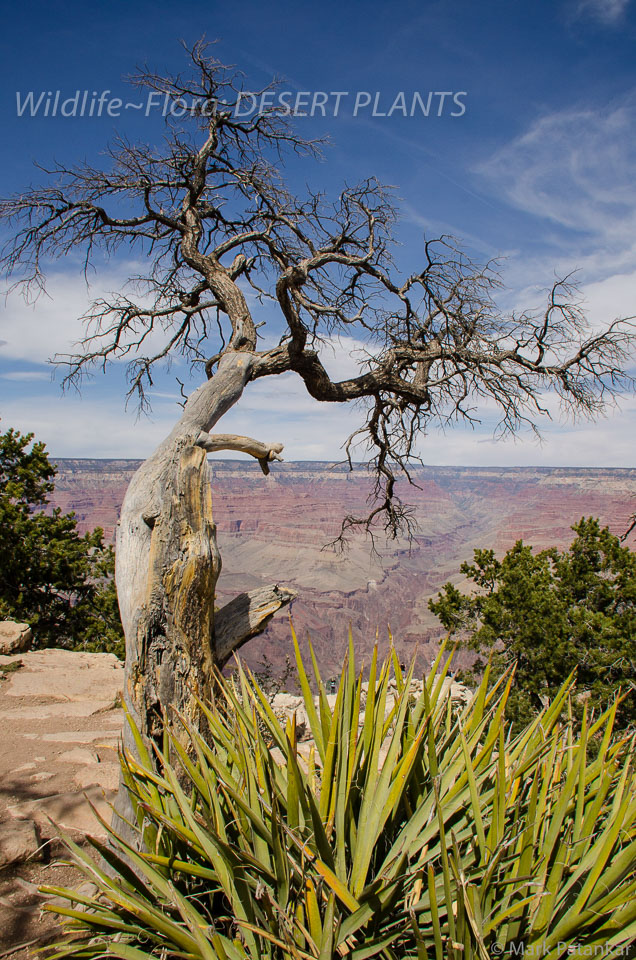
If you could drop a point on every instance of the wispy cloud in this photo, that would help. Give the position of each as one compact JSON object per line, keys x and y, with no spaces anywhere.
{"x":607,"y":11}
{"x":25,"y":375}
{"x":575,"y":168}
{"x":84,"y":427}
{"x":87,"y":426}
{"x":573,"y":171}
{"x":37,"y":331}
{"x":280,"y":408}
{"x":434,"y":227}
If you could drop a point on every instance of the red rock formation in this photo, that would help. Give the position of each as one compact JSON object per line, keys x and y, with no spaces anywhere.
{"x":276,"y":528}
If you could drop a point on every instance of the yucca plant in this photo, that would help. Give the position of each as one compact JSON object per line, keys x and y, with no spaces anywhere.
{"x":412,"y":828}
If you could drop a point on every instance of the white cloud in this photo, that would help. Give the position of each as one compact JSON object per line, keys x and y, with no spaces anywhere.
{"x":610,"y":299}
{"x":608,"y":442}
{"x":607,"y":11}
{"x":603,"y":300}
{"x":52,"y":325}
{"x":36,"y":331}
{"x":574,"y":167}
{"x":342,"y":356}
{"x":277,"y":408}
{"x":82,"y":426}
{"x":74,"y":426}
{"x":25,"y":376}
{"x":87,"y":426}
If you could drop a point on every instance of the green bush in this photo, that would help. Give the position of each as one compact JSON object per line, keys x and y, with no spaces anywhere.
{"x":550,"y":613}
{"x":59,"y":582}
{"x":413,"y":828}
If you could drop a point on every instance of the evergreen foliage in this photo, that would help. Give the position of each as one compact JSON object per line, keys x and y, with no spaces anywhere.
{"x":550,"y":613}
{"x":52,"y":578}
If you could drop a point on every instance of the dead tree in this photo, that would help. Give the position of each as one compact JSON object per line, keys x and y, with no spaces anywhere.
{"x":220,"y":231}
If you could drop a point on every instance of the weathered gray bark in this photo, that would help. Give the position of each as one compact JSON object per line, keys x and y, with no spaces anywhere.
{"x":168,"y":564}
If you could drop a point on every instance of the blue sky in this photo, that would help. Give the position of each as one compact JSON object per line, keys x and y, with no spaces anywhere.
{"x":536,"y":168}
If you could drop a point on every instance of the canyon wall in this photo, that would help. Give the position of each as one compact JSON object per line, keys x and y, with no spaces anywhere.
{"x":276,"y":528}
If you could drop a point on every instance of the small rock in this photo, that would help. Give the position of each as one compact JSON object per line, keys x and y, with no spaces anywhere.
{"x":30,"y":889}
{"x":88,"y":889}
{"x":79,"y":755}
{"x":80,"y":736}
{"x":70,"y":811}
{"x":14,"y":637}
{"x":277,"y":756}
{"x":285,"y":705}
{"x":458,"y":691}
{"x":105,"y":775}
{"x":19,"y":842}
{"x":287,"y":702}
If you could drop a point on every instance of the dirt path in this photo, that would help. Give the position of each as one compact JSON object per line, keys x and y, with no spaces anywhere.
{"x":60,"y":724}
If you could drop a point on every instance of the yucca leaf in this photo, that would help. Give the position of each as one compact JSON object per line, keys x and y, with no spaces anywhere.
{"x":127,"y":952}
{"x":352,"y":859}
{"x":310,"y":709}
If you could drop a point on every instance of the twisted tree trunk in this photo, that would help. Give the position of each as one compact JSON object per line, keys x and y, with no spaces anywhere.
{"x":168,"y":564}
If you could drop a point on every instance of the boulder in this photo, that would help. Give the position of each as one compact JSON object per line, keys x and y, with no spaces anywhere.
{"x":460,"y":693}
{"x":64,"y":683}
{"x":14,"y":637}
{"x":19,"y":842}
{"x":285,"y":705}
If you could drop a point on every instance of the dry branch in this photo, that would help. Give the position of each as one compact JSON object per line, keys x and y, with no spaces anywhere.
{"x":247,"y":615}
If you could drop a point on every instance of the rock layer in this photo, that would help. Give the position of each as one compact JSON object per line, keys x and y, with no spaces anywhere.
{"x":275,"y":528}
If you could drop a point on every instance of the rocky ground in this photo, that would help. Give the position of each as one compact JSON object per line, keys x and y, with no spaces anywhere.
{"x":60,"y":722}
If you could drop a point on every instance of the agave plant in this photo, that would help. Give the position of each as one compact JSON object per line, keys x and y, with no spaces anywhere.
{"x":411,"y":828}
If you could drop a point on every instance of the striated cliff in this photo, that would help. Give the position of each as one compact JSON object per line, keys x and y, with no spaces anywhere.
{"x":276,"y":528}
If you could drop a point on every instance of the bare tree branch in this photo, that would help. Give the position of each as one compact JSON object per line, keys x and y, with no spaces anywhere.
{"x":212,"y":215}
{"x":246,"y":616}
{"x":263,"y":452}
